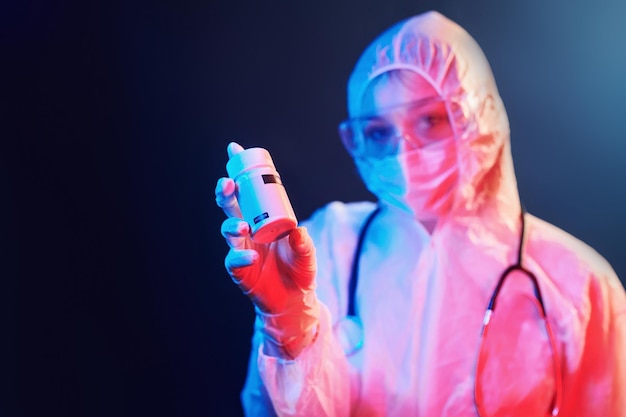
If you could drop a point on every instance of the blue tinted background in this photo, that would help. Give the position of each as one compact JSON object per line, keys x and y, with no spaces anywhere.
{"x":118,"y":118}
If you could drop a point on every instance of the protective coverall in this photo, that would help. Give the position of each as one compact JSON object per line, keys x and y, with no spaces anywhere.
{"x":422,"y":297}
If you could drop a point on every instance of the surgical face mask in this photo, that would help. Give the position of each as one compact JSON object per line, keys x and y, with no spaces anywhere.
{"x":421,"y":181}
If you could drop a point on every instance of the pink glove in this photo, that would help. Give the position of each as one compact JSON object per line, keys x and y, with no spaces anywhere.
{"x":278,"y":277}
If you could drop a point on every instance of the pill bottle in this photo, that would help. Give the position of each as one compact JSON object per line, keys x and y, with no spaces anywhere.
{"x":261,"y":195}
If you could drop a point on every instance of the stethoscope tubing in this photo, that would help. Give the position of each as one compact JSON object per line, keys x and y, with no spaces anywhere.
{"x":353,"y":315}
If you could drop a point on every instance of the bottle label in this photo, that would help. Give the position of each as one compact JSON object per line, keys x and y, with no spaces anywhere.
{"x":260,"y":217}
{"x":271,"y":179}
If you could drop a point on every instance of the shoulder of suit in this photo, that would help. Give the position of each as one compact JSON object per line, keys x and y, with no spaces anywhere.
{"x":556,"y":242}
{"x":341,"y":215}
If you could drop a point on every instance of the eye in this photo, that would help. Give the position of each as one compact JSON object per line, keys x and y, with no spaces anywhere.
{"x":434,"y":120}
{"x":433,"y":125}
{"x":378,"y":132}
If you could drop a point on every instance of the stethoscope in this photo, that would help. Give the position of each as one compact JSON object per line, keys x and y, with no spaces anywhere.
{"x":350,"y":329}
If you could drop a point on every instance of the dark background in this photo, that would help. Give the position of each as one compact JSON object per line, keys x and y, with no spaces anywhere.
{"x":116,"y":116}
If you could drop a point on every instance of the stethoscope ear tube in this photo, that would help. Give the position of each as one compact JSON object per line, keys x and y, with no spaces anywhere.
{"x":354,"y":272}
{"x":556,"y":404}
{"x":349,"y":330}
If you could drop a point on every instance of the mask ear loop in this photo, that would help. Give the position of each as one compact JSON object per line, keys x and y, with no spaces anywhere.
{"x":557,"y":400}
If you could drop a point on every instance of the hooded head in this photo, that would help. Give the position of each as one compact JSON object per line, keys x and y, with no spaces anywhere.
{"x":451,"y":64}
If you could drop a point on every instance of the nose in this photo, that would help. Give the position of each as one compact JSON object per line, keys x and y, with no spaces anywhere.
{"x":406,"y":142}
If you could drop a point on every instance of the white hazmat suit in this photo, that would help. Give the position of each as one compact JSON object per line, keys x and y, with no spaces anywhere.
{"x":422,"y":296}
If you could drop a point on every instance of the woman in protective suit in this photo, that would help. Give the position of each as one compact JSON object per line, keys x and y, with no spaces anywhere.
{"x":445,"y":298}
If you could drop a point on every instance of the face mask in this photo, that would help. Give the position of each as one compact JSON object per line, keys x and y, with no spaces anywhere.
{"x":421,"y":182}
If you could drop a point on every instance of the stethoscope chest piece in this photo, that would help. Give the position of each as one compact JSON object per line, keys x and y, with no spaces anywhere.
{"x":349,"y":333}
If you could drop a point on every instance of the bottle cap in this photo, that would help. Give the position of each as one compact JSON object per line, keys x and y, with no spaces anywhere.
{"x":247,"y":159}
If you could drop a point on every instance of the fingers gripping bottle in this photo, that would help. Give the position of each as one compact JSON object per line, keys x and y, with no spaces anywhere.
{"x":261,"y":195}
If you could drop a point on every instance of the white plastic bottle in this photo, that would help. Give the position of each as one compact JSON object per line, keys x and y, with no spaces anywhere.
{"x":261,"y":195}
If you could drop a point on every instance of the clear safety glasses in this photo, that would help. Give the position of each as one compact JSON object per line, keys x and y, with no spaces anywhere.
{"x":420,"y":124}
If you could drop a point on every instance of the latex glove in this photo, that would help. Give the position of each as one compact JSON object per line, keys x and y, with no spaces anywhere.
{"x":279,"y":277}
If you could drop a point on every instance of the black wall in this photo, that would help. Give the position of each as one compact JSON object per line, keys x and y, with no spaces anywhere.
{"x":116,"y":118}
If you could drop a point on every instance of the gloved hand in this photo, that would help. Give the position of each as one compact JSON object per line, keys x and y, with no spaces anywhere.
{"x":279,"y":277}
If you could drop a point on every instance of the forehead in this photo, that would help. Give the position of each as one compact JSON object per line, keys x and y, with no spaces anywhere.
{"x":395,"y":88}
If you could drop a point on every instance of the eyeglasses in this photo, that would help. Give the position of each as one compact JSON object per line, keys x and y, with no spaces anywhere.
{"x":420,"y":123}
